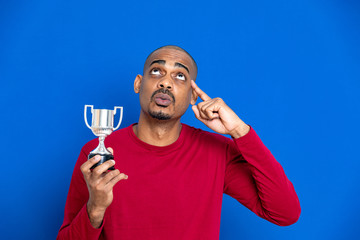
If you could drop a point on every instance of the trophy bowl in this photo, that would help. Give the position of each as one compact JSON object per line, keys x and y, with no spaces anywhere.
{"x":102,"y":125}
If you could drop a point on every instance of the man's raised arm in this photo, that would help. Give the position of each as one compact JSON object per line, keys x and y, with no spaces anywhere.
{"x":252,"y":175}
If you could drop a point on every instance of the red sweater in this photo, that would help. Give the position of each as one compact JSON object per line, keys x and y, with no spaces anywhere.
{"x":175,"y":192}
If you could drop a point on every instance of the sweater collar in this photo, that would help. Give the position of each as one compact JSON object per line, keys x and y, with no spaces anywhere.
{"x":162,"y":149}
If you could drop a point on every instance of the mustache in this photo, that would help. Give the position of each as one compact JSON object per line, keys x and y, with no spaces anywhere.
{"x":164,"y":91}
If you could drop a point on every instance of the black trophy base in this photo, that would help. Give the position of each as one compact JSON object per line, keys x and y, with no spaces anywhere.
{"x":104,"y":158}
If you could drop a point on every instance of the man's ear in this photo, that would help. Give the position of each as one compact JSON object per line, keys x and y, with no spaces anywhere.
{"x":194,"y":97}
{"x":137,"y":83}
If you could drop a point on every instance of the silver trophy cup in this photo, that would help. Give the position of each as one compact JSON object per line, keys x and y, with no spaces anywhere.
{"x":102,"y":125}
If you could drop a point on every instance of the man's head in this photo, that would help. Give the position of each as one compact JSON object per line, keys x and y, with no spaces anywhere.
{"x":164,"y":89}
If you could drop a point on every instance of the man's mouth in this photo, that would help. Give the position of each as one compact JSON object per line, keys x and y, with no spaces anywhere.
{"x":162,"y":99}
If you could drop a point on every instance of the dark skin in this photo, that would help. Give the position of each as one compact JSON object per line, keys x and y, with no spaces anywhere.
{"x":174,"y":71}
{"x":165,"y":69}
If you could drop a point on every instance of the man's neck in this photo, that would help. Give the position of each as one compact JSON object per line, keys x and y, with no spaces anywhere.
{"x":157,"y":132}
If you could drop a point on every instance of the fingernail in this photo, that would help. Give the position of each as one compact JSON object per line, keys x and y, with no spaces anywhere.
{"x":126,"y":176}
{"x":113,"y":161}
{"x":97,"y":157}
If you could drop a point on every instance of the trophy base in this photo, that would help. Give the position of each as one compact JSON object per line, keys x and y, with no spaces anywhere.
{"x":104,"y":158}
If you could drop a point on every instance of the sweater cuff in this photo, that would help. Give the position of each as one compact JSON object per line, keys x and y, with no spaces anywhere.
{"x":86,"y":228}
{"x":251,"y":136}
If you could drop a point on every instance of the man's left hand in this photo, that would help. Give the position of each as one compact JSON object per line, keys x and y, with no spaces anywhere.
{"x":218,"y":116}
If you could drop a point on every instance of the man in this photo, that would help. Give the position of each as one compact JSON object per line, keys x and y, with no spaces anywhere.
{"x":169,"y":177}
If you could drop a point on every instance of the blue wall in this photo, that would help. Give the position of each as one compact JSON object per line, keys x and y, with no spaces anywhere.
{"x":288,"y":68}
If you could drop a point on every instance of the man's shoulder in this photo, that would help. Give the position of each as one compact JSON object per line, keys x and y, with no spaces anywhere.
{"x":203,"y":135}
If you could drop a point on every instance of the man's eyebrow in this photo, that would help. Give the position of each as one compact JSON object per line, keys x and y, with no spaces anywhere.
{"x":182,"y":65}
{"x":162,"y":62}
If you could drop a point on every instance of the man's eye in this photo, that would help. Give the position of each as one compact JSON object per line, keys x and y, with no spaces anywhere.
{"x":180,"y":76}
{"x":155,"y":71}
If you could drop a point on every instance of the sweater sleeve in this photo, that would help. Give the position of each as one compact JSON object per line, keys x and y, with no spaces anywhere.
{"x":76,"y":223}
{"x":254,"y":178}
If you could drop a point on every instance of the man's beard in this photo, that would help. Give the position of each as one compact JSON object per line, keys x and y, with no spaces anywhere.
{"x":159,"y":115}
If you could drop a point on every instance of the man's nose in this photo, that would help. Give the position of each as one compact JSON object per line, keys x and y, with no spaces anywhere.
{"x":165,"y":83}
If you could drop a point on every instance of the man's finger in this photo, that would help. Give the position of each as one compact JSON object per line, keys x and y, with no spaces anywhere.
{"x":85,"y":168}
{"x":211,"y":110}
{"x":199,"y":92}
{"x":211,"y":114}
{"x":197,"y":114}
{"x":115,"y":180}
{"x":108,"y":176}
{"x":201,"y":113}
{"x":98,"y":170}
{"x":111,"y":150}
{"x":196,"y":111}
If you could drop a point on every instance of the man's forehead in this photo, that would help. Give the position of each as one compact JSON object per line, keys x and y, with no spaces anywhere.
{"x":176,"y":64}
{"x":174,"y":56}
{"x":169,"y":55}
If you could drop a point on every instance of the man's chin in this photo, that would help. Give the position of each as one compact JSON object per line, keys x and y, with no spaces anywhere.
{"x":159,"y":115}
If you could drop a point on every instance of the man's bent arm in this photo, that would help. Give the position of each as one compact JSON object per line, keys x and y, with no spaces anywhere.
{"x":258,"y":181}
{"x":76,"y":223}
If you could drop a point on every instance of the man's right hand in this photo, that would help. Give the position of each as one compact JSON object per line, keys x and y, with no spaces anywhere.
{"x":100,"y":183}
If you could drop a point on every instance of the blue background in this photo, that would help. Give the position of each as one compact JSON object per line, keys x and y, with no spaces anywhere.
{"x":288,"y":68}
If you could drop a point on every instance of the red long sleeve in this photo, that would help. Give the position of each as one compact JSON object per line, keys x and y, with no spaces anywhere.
{"x":258,"y":181}
{"x":175,"y":192}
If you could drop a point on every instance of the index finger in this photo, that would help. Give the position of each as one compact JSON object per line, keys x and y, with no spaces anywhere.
{"x":199,"y":92}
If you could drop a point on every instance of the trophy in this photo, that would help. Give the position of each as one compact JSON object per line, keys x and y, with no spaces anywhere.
{"x":102,"y":125}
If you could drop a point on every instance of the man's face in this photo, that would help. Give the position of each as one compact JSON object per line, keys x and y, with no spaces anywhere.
{"x":165,"y":90}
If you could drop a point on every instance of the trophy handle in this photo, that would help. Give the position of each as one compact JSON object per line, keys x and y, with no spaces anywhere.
{"x":85,"y":118}
{"x":121,"y":115}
